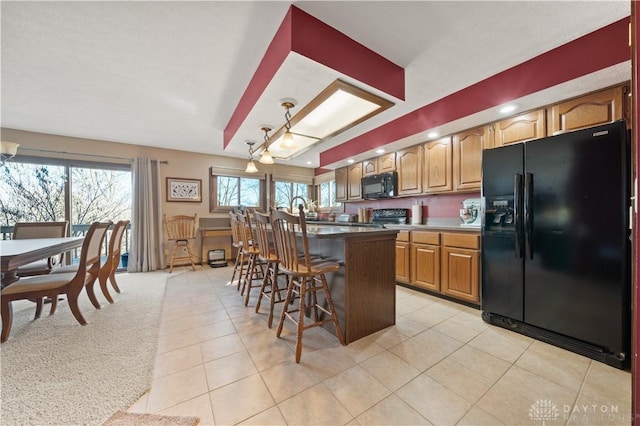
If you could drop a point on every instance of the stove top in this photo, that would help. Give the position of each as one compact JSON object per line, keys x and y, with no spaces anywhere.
{"x":395,"y":216}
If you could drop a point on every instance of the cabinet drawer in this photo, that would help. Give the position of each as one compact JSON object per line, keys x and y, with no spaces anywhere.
{"x":402,"y":236}
{"x":425,"y":237}
{"x":471,"y":241}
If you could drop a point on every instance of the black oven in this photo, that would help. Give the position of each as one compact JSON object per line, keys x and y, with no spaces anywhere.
{"x":378,"y":186}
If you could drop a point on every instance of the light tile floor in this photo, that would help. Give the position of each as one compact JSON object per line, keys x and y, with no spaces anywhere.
{"x":440,"y":364}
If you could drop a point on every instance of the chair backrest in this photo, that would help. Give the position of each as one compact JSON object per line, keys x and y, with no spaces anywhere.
{"x":24,"y":230}
{"x":267,"y":250}
{"x":235,"y":234}
{"x":115,"y":242}
{"x":293,"y":253}
{"x":89,"y":264}
{"x":244,"y":231}
{"x":180,"y":227}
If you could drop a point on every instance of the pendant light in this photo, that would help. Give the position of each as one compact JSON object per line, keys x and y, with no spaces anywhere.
{"x":266,"y":157}
{"x":251,"y":166}
{"x":288,"y":141}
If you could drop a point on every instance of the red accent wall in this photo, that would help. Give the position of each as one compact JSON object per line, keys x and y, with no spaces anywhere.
{"x":312,"y":38}
{"x":324,"y":44}
{"x":600,"y":49}
{"x":635,"y":327}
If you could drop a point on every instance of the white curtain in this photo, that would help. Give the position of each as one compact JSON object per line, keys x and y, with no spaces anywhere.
{"x":146,"y":251}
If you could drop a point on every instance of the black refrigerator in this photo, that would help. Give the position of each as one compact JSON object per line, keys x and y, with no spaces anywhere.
{"x":556,"y":241}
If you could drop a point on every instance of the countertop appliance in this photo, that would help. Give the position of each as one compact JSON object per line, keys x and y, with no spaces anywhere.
{"x":382,"y":185}
{"x":394,"y":216}
{"x":470,"y":213}
{"x":555,"y":241}
{"x":347,"y":218}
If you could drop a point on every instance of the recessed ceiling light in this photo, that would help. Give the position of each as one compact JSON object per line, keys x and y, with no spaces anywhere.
{"x":433,"y":134}
{"x":309,"y":162}
{"x":350,"y":160}
{"x":380,"y":151}
{"x":507,"y":109}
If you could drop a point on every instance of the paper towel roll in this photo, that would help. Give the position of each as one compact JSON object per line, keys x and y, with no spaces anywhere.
{"x":416,"y":215}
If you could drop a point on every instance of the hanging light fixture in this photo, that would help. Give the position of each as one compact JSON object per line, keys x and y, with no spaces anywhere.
{"x":288,"y":141}
{"x":251,"y":166}
{"x":8,"y":150}
{"x":266,"y":157}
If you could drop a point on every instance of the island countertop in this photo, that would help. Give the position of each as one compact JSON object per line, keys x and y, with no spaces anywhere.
{"x":327,"y":231}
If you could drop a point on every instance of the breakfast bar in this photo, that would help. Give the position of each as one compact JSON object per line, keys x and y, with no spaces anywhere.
{"x":363,"y":290}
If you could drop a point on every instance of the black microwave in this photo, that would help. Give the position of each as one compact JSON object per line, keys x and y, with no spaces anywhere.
{"x":378,"y":186}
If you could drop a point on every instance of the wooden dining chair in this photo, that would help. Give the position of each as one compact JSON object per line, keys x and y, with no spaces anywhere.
{"x":24,"y":230}
{"x":306,"y":277}
{"x":181,"y":229}
{"x":70,"y":284}
{"x":110,"y":266}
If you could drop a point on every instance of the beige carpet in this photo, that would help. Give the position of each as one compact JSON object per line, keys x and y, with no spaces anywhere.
{"x":122,"y":418}
{"x":56,"y":372}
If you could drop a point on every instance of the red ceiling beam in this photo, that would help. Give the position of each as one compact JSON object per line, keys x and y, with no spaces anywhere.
{"x":312,"y":38}
{"x":600,"y":49}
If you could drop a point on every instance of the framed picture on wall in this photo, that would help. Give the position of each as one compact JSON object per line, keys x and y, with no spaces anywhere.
{"x":187,"y":190}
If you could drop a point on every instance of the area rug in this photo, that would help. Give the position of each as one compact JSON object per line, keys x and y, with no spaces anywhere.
{"x":56,"y":372}
{"x":122,"y":418}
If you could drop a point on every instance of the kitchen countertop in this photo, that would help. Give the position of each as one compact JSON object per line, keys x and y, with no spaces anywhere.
{"x":437,"y":224}
{"x":336,"y":230}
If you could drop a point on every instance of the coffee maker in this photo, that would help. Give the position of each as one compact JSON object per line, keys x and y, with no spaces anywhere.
{"x":470,"y":212}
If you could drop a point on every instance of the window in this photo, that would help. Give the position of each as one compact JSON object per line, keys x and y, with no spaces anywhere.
{"x":286,"y":191}
{"x":35,"y":189}
{"x":232,"y":191}
{"x":327,"y":194}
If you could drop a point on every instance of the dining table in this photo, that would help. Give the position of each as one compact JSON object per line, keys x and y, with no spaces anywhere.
{"x":16,"y":253}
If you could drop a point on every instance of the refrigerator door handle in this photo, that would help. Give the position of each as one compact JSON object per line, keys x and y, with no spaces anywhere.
{"x":528,"y":214}
{"x":517,"y":211}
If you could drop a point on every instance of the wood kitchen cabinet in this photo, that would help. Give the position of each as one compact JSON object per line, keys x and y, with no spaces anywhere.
{"x":519,"y":129}
{"x":467,"y":157}
{"x":342,"y":183}
{"x":593,"y":109}
{"x":409,"y":164}
{"x":355,"y":184}
{"x":370,"y":167}
{"x":402,"y":257}
{"x":387,"y":163}
{"x":425,"y":259}
{"x":438,"y":175}
{"x":460,"y":266}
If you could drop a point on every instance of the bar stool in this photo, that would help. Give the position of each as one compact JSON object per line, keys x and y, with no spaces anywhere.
{"x":306,"y":277}
{"x":255,"y":270}
{"x":238,"y":267}
{"x":267,"y":254}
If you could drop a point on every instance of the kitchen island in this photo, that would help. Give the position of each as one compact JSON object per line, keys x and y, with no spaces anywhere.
{"x":364,"y":289}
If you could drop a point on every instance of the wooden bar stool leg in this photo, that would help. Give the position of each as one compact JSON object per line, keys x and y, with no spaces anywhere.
{"x":332,"y":309}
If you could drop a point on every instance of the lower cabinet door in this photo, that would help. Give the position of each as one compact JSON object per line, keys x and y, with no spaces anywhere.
{"x":402,"y":262}
{"x":425,"y":266}
{"x":460,"y":273}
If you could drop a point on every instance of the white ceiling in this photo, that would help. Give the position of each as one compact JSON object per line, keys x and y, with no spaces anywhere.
{"x":170,"y":74}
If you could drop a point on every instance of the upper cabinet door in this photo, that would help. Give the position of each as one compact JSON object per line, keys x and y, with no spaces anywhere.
{"x":467,"y":157}
{"x":355,"y":181}
{"x":409,"y":164}
{"x":342,"y":183}
{"x":522,"y":128}
{"x":370,"y":167}
{"x":387,"y":163}
{"x":586,"y":111}
{"x":438,"y":176}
